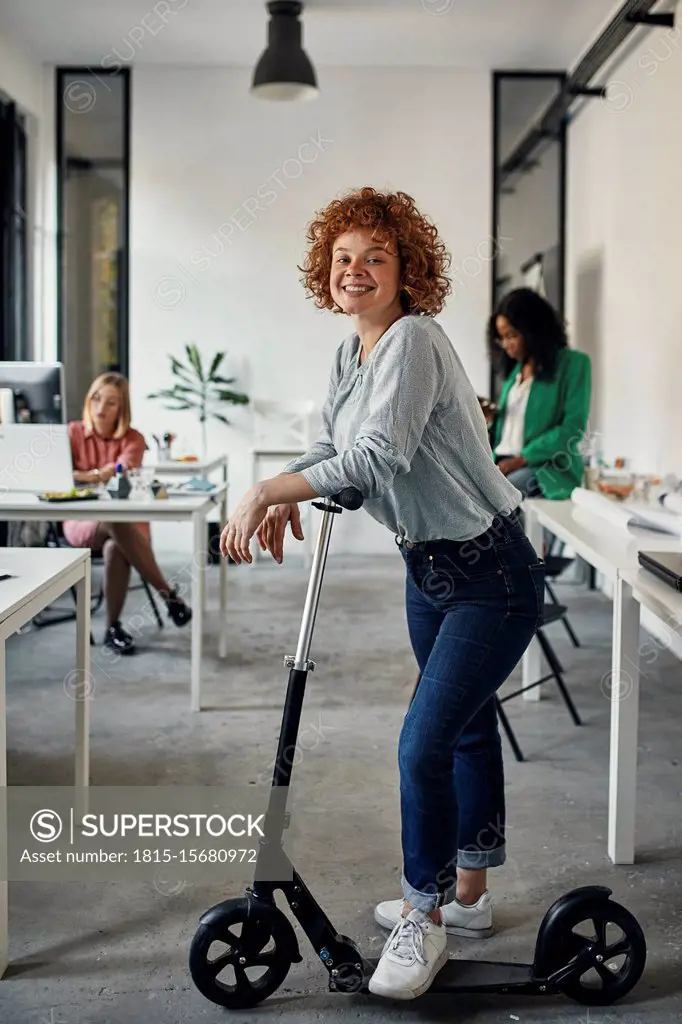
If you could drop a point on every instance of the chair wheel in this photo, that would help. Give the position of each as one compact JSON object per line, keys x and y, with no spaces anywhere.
{"x":241,"y":958}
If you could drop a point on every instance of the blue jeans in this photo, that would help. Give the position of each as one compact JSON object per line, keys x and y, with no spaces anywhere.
{"x":525,"y":480}
{"x":472,"y":609}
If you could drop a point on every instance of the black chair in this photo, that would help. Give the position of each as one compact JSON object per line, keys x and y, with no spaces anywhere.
{"x":555,"y":565}
{"x":552,"y":613}
{"x":55,"y":538}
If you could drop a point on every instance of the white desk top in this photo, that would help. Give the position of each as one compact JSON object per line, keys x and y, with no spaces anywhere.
{"x":34,"y":569}
{"x":274,"y":450}
{"x":655,"y":595}
{"x":607,"y":547}
{"x":29,"y":506}
{"x":176,"y":468}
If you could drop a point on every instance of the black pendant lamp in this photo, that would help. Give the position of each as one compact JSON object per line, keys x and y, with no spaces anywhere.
{"x":284,"y":71}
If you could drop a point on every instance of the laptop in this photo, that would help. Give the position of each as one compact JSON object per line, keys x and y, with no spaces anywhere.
{"x":667,"y":565}
{"x":35,"y":457}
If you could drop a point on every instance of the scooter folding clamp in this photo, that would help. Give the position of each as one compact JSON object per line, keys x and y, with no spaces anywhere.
{"x":290,"y":662}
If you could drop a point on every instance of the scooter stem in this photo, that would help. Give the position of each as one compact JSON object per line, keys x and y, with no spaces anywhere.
{"x":312,"y":599}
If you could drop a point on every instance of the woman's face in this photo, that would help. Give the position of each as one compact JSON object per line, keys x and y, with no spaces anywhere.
{"x":510,"y":339}
{"x":104,"y":409}
{"x":364,"y":276}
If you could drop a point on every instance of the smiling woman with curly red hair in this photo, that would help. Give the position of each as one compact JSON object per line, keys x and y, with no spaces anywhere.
{"x":395,"y":221}
{"x":402,"y":423}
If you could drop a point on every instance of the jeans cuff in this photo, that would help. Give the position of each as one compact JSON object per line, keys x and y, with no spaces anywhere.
{"x":424,"y":901}
{"x":476,"y":859}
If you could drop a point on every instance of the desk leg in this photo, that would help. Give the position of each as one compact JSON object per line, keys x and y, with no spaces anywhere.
{"x":254,"y":546}
{"x":82,"y":693}
{"x":198,"y":586}
{"x":4,"y":933}
{"x":623,"y":690}
{"x":222,"y":585}
{"x":533,"y":662}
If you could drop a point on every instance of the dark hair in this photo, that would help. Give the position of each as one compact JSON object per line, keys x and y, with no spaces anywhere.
{"x":538,"y":323}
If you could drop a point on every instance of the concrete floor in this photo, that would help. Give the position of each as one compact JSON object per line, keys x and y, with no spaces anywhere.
{"x":116,"y":953}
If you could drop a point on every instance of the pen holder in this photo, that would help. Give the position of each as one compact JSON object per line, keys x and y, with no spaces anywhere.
{"x":163,"y":454}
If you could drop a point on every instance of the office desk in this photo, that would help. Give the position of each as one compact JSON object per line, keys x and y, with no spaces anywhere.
{"x":191,"y":508}
{"x":42,"y":576}
{"x":199,"y":468}
{"x":285,"y":453}
{"x":613,"y":552}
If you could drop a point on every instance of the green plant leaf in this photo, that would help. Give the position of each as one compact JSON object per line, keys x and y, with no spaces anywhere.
{"x":195,"y":360}
{"x":235,"y":397}
{"x":217,"y":360}
{"x":187,"y":389}
{"x":223,"y":419}
{"x":180,"y":370}
{"x":165,"y":393}
{"x":223,"y":380}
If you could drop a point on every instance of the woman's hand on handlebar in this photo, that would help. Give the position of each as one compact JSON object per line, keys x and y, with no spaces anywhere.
{"x":271,"y":531}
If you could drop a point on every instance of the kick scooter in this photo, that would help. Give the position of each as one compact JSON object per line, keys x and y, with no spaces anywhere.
{"x":588,"y":947}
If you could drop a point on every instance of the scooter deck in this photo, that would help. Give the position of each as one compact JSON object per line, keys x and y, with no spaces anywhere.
{"x":480,"y":976}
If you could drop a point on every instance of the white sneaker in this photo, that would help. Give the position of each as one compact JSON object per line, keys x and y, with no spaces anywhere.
{"x":469,"y":922}
{"x":413,"y":954}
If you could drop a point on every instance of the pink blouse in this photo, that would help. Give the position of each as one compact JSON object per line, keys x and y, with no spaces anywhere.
{"x":90,"y":451}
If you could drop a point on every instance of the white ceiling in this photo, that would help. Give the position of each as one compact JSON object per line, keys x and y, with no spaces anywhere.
{"x":463,"y":33}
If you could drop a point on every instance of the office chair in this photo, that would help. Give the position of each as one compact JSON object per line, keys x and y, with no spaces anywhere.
{"x":552,"y":613}
{"x":55,"y":538}
{"x":555,"y":565}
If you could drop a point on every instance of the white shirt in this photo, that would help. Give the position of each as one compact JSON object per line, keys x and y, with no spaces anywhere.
{"x":511,"y":442}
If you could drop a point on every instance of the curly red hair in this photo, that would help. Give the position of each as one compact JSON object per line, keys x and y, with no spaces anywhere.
{"x":393,"y":218}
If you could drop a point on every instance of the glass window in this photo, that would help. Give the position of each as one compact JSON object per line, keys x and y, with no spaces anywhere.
{"x":14,"y":342}
{"x":93,"y":157}
{"x":529,"y":189}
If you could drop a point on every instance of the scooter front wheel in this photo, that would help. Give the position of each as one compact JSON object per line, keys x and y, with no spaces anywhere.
{"x":618,"y":942}
{"x":241,"y":958}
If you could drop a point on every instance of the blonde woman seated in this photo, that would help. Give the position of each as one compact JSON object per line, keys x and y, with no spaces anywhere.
{"x":100,"y":441}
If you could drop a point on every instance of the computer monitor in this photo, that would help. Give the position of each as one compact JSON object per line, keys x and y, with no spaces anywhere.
{"x":37,"y":393}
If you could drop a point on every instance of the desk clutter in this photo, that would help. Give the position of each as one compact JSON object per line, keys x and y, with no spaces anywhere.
{"x":650,"y":514}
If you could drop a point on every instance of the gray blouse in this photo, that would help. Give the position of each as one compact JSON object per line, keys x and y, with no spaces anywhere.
{"x":407,"y":430}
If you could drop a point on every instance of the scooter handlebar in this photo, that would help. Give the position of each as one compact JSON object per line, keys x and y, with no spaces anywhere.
{"x":349,"y":498}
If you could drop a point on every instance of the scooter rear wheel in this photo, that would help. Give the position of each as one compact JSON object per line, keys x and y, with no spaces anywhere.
{"x":619,"y":941}
{"x":251,"y":961}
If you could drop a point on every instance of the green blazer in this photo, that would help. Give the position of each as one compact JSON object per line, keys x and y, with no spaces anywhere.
{"x":556,"y":420}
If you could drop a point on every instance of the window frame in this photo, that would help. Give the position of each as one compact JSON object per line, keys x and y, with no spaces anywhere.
{"x":62,"y":73}
{"x":14,"y":233}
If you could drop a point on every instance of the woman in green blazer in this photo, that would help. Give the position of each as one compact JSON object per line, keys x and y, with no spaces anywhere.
{"x":544,"y":403}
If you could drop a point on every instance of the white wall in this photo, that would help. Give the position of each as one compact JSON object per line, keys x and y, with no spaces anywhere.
{"x":203,"y":151}
{"x":624,"y":265}
{"x":31,"y":86}
{"x":624,"y":253}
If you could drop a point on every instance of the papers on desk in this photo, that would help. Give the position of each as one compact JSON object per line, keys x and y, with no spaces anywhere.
{"x":624,"y":514}
{"x":673,"y":502}
{"x":197,"y":485}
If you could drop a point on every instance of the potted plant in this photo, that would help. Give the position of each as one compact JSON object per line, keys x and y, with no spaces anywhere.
{"x":200,"y":388}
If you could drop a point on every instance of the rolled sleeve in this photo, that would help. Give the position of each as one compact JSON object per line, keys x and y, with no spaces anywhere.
{"x":132,"y":450}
